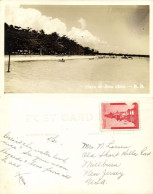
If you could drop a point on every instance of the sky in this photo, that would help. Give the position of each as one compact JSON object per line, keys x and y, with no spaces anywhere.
{"x":106,"y":28}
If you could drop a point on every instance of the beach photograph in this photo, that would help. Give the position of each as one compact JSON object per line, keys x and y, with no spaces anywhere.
{"x":76,"y":49}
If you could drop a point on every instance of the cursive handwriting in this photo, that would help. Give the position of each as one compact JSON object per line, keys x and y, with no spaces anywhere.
{"x":53,"y":139}
{"x":104,"y":161}
{"x":21,"y":178}
{"x":46,"y":158}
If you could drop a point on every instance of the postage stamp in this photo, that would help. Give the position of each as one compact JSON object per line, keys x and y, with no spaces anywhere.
{"x":120,"y":115}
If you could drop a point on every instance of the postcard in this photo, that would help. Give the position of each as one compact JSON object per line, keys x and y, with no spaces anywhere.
{"x":76,"y":97}
{"x":85,"y":48}
{"x":53,"y":146}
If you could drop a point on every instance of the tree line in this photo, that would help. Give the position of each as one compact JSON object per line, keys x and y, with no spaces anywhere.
{"x":32,"y":42}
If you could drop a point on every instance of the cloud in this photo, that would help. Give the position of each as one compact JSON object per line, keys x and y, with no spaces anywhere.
{"x":83,"y":37}
{"x":122,"y":26}
{"x":34,"y":19}
{"x":82,"y":22}
{"x":54,"y":25}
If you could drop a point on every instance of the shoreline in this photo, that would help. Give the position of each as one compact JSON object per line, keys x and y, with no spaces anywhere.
{"x":44,"y":57}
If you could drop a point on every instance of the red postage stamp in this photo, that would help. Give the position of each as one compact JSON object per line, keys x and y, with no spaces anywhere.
{"x":120,"y":115}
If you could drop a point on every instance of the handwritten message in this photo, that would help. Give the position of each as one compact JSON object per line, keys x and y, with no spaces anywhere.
{"x":20,"y":154}
{"x":104,"y":162}
{"x":101,"y":163}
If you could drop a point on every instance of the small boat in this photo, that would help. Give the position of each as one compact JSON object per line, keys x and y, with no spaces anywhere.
{"x":124,"y":57}
{"x":61,"y":60}
{"x":91,"y":58}
{"x":130,"y":57}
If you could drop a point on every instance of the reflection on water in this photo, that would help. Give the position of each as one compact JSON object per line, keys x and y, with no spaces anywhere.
{"x":100,"y":75}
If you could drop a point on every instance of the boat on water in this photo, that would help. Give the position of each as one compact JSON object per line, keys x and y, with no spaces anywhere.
{"x":130,"y":57}
{"x":124,"y":57}
{"x":61,"y":60}
{"x":100,"y":57}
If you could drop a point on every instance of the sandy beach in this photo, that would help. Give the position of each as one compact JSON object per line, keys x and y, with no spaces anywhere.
{"x":45,"y":74}
{"x":45,"y":57}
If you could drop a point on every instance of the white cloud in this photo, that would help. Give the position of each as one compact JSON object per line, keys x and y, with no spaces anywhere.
{"x":82,"y":22}
{"x":34,"y":19}
{"x":83,"y":37}
{"x":54,"y":25}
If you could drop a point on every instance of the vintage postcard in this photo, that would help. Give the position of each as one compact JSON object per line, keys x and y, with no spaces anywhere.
{"x":55,"y":146}
{"x":76,"y":97}
{"x":85,"y":48}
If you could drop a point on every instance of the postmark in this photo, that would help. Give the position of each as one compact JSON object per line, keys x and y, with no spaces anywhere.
{"x":120,"y":116}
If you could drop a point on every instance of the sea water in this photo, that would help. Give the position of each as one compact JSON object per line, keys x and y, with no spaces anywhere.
{"x":104,"y":75}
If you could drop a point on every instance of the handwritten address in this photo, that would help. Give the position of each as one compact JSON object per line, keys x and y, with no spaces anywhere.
{"x":103,"y":162}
